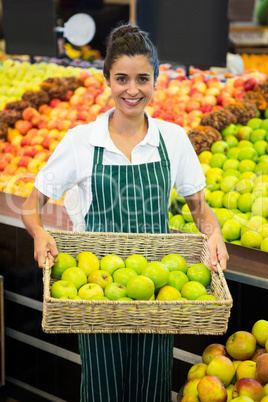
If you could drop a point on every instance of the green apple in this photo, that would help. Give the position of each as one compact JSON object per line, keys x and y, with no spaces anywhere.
{"x":157,"y":272}
{"x":90,"y":289}
{"x":192,"y":290}
{"x":176,"y":222}
{"x":115,"y":290}
{"x":140,"y":288}
{"x":216,"y":199}
{"x":175,"y":262}
{"x":75,"y":275}
{"x":101,"y":277}
{"x":231,"y":172}
{"x":244,"y":186}
{"x":261,"y":168}
{"x":233,"y":153}
{"x":190,"y":227}
{"x":217,"y":160}
{"x":254,"y":123}
{"x":199,"y":272}
{"x":219,"y":147}
{"x":248,"y":153}
{"x":137,"y":261}
{"x":244,"y":144}
{"x":261,"y":147}
{"x":231,"y":129}
{"x":64,"y":261}
{"x":186,"y":213}
{"x":64,"y":289}
{"x":263,"y":158}
{"x":228,"y":184}
{"x":251,"y":239}
{"x":230,"y":164}
{"x":260,"y":190}
{"x":245,"y":202}
{"x":207,"y":193}
{"x":223,"y":214}
{"x":258,"y":134}
{"x":177,"y":279}
{"x":230,"y":200}
{"x":213,"y":183}
{"x":246,"y":165}
{"x":260,"y":207}
{"x":264,"y":124}
{"x":110,"y":263}
{"x":122,"y":275}
{"x":231,"y":230}
{"x":231,"y":140}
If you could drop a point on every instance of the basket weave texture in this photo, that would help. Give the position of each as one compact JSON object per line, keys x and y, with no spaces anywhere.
{"x":162,"y":317}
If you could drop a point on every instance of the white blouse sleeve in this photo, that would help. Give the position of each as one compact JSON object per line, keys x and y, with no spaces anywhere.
{"x":61,"y":171}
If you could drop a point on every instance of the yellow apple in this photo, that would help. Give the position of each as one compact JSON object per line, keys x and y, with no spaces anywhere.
{"x":198,"y":370}
{"x":223,"y":368}
{"x":260,"y":331}
{"x":241,"y":345}
{"x":246,"y":369}
{"x":191,"y":387}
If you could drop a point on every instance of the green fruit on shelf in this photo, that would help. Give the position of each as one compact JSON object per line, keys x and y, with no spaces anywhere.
{"x":251,"y":239}
{"x":219,"y":147}
{"x":231,"y":129}
{"x":231,"y":229}
{"x":254,"y":123}
{"x":218,"y":160}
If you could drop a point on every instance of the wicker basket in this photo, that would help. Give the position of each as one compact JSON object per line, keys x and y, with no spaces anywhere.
{"x":173,"y":317}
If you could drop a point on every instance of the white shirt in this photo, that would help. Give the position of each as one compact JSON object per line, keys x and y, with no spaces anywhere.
{"x":70,"y":165}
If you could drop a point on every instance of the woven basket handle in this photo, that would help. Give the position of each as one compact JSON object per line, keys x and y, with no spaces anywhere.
{"x":46,"y":279}
{"x":220,"y":271}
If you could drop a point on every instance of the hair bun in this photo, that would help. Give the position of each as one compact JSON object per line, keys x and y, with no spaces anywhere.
{"x":123,"y":30}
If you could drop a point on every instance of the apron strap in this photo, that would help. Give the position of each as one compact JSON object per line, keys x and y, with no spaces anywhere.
{"x":162,"y":149}
{"x":98,"y":156}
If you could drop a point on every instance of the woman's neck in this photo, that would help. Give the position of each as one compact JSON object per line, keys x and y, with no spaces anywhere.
{"x":128,"y":126}
{"x":127,"y":133}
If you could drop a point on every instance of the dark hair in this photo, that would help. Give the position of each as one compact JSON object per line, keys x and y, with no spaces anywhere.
{"x":128,"y":40}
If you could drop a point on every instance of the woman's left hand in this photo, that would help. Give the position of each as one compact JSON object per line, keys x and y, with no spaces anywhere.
{"x":218,"y":251}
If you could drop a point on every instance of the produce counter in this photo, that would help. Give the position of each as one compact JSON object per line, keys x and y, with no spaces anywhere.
{"x":37,"y":354}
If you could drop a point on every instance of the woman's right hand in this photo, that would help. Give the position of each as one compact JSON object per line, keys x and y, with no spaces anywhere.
{"x":44,"y":247}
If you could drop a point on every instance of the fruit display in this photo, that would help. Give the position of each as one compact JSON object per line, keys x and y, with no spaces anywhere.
{"x":234,"y":371}
{"x":218,"y":117}
{"x":236,"y":171}
{"x":112,"y":278}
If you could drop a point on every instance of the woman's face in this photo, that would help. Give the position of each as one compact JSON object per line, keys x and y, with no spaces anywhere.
{"x":132,"y":84}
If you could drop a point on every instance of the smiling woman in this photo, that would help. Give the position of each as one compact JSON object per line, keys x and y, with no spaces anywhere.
{"x":124,"y":165}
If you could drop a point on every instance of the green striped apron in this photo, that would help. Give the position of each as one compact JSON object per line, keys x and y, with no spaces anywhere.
{"x":128,"y":367}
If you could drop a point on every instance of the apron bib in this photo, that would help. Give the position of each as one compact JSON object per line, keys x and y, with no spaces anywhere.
{"x":128,"y":367}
